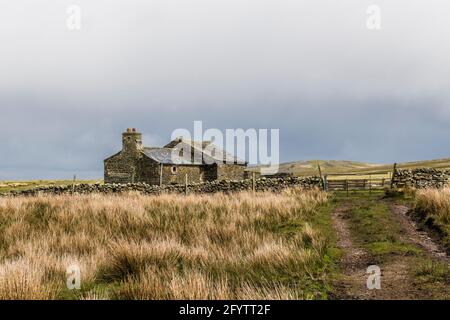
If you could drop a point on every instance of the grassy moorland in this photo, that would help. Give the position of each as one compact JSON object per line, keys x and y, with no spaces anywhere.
{"x":309,"y":167}
{"x":241,"y":246}
{"x":299,"y":244}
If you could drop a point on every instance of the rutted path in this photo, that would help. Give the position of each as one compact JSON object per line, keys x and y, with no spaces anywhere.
{"x":354,"y":259}
{"x":417,"y":236}
{"x":397,"y":276}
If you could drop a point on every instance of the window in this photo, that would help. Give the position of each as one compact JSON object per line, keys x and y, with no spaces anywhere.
{"x":174,"y":169}
{"x":180,"y":153}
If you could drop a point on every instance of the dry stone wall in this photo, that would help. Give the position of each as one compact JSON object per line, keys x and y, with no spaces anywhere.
{"x":227,"y":186}
{"x":421,"y":178}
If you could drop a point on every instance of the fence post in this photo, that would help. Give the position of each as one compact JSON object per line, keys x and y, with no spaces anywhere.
{"x":186,"y":184}
{"x":393,"y":175}
{"x":346,"y":186}
{"x":160,"y":174}
{"x":320,"y":174}
{"x":325,"y":183}
{"x":73,"y":184}
{"x":370,"y":184}
{"x":253,"y":182}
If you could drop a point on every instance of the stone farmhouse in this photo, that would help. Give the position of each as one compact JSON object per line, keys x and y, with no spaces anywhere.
{"x":176,"y":162}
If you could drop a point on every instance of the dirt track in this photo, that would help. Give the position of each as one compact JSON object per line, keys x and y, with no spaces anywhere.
{"x":397,"y":276}
{"x":417,"y":236}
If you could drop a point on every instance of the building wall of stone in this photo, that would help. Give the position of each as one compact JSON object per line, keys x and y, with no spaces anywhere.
{"x":131,"y":166}
{"x":209,"y":172}
{"x":230,"y":172}
{"x":194,"y":174}
{"x":149,"y":171}
{"x":121,"y":168}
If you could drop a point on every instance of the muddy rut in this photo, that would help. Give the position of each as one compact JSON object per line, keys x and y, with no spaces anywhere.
{"x":416,"y":235}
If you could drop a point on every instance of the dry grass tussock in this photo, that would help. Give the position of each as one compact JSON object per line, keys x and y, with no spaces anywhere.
{"x":240,"y":246}
{"x":435,"y":203}
{"x":433,"y":208}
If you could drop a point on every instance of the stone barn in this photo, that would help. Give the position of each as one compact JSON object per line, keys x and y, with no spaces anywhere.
{"x":198,"y":160}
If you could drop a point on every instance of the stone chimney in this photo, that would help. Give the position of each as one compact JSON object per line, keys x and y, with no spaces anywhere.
{"x":131,"y":140}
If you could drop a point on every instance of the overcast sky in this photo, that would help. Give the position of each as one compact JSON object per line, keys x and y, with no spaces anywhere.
{"x":334,"y":88}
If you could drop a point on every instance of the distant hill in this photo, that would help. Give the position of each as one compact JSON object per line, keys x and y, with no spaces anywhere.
{"x":309,"y":167}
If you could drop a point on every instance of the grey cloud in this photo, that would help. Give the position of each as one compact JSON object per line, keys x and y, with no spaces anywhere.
{"x":310,"y":68}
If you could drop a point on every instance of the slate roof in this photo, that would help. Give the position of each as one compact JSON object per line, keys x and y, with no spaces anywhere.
{"x":166,"y":156}
{"x":169,"y":154}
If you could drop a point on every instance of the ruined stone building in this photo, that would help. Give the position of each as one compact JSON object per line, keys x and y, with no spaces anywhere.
{"x":171,"y":164}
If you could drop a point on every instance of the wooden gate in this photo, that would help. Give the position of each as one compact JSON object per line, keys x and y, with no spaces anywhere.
{"x":336,"y":182}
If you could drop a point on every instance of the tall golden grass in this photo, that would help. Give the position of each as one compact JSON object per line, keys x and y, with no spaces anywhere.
{"x":239,"y":246}
{"x":434,"y":203}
